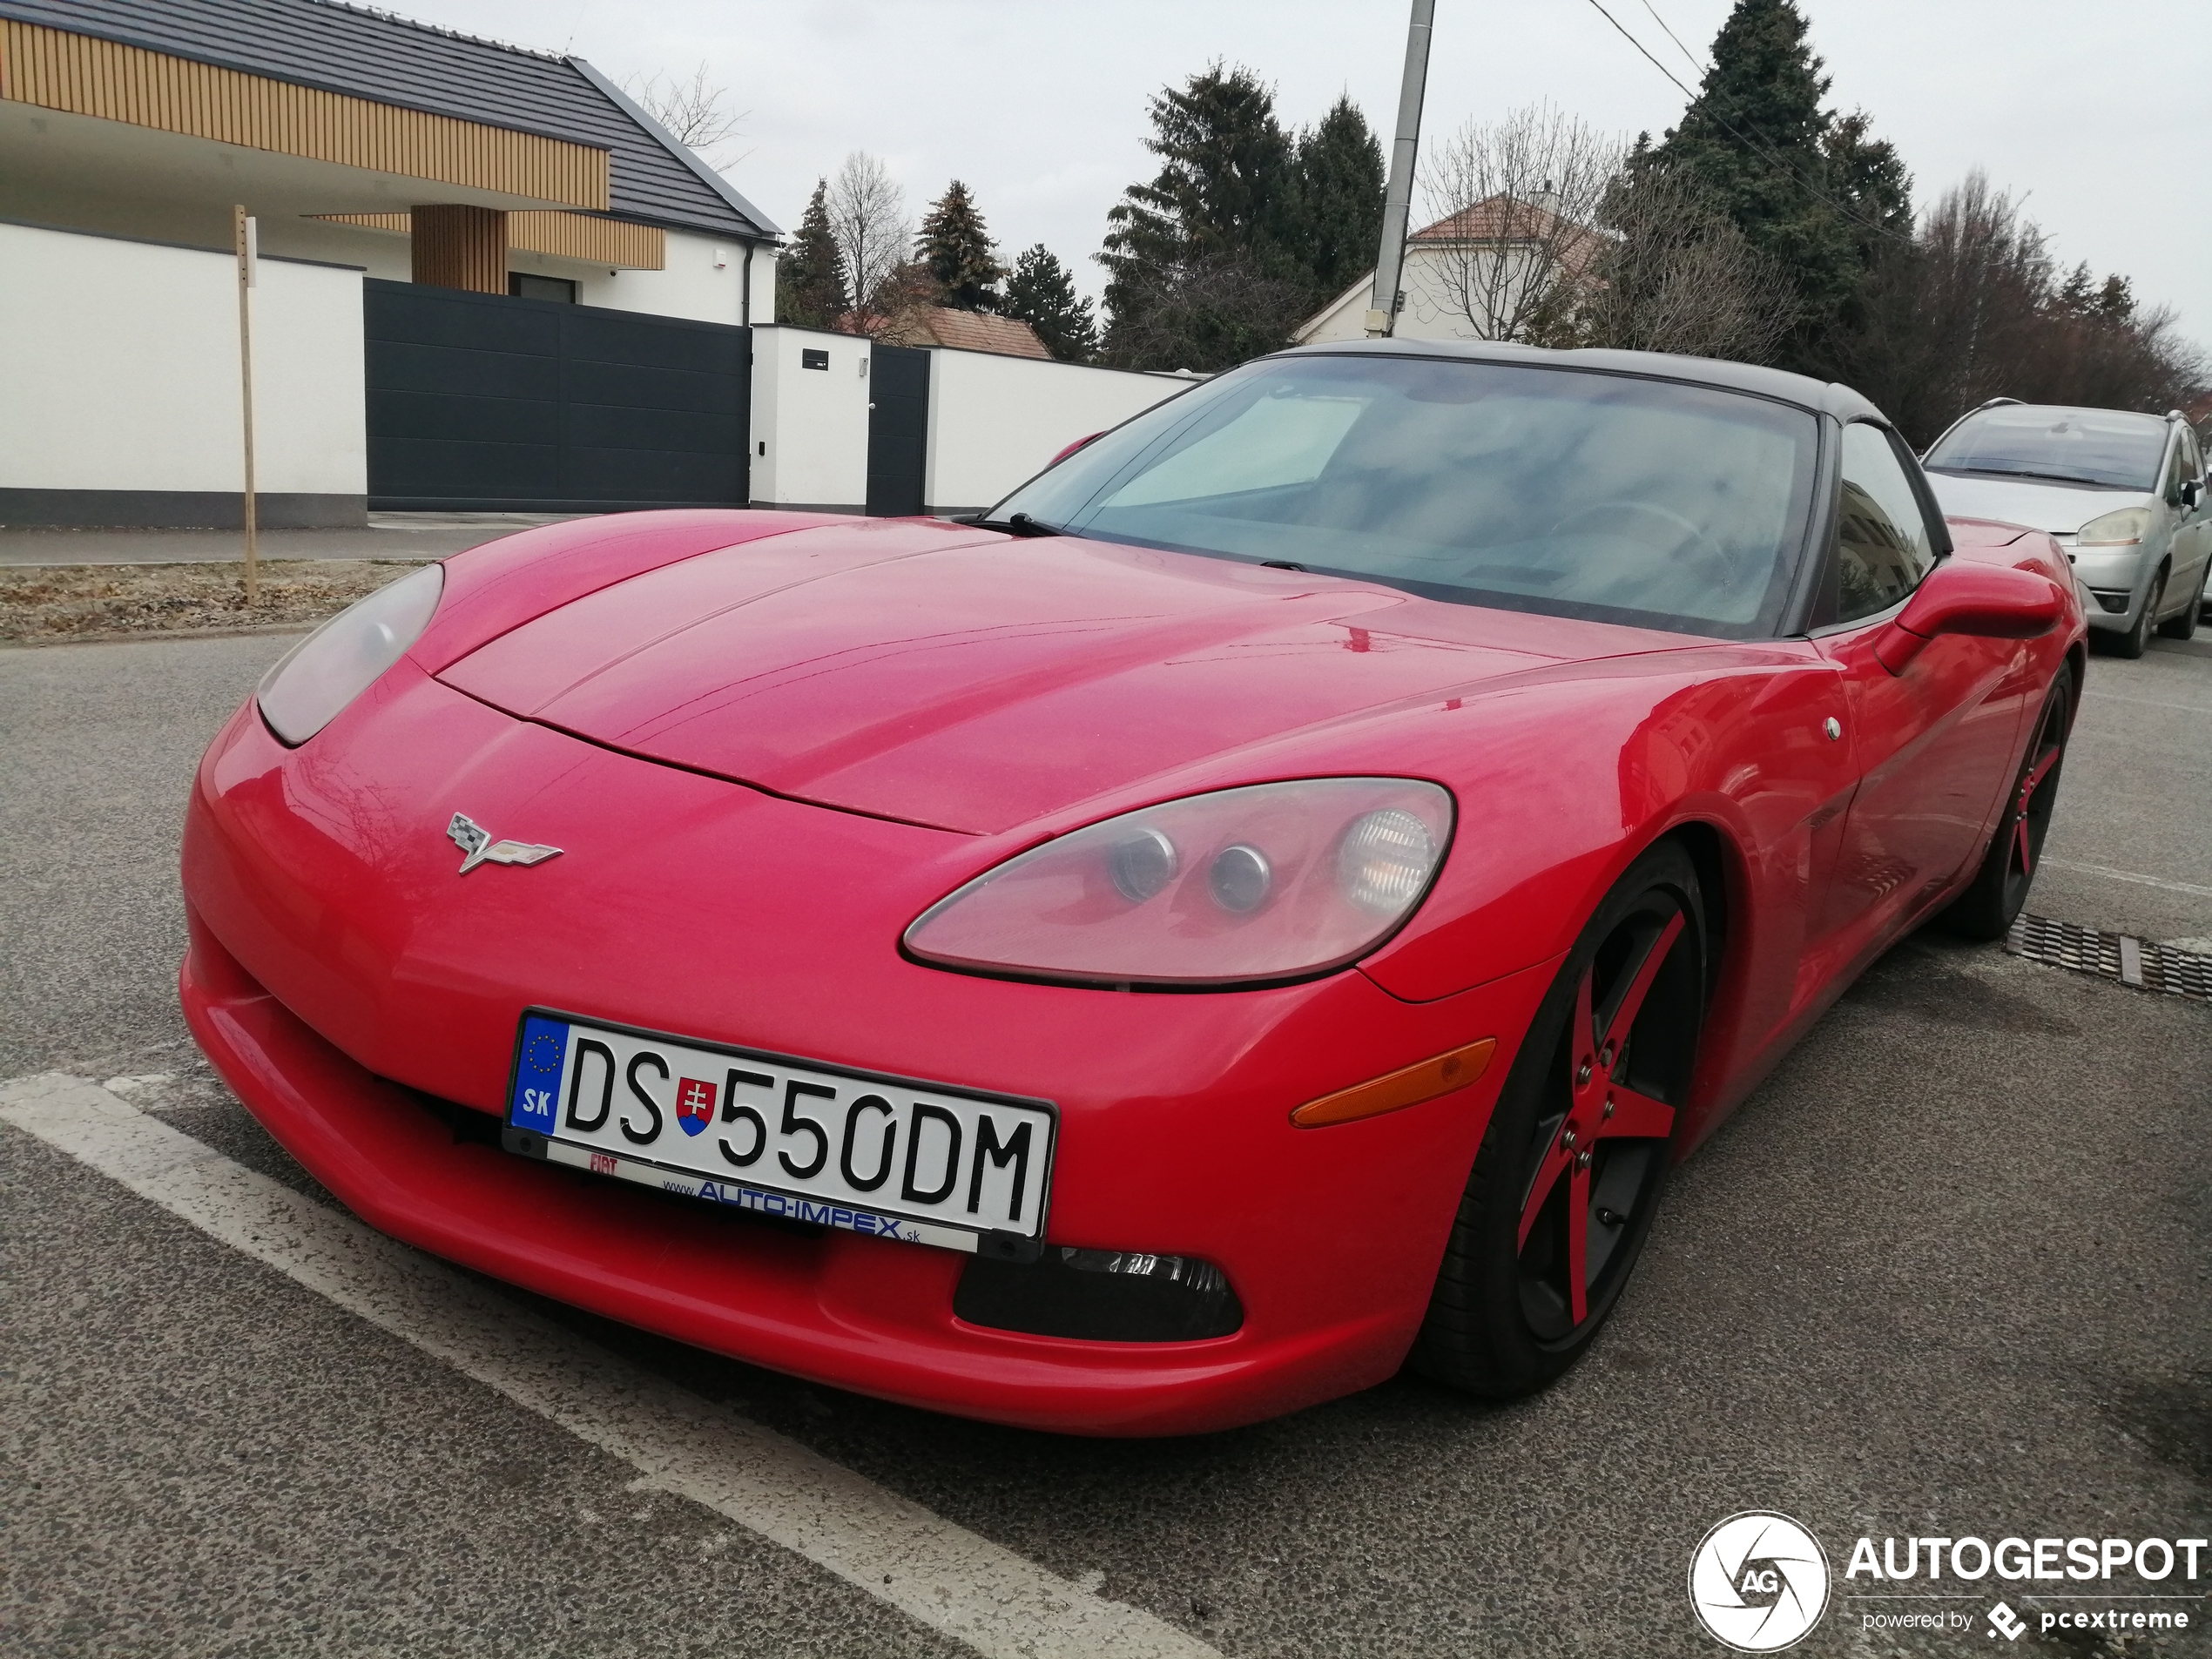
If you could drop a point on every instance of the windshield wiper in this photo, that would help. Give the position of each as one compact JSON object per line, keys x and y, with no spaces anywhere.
{"x":2041,"y":477}
{"x":1016,"y":524}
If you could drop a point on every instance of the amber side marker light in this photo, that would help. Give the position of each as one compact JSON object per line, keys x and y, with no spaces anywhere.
{"x":1399,"y":1090}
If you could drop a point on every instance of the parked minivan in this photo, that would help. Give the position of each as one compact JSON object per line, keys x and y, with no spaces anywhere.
{"x":2122,"y":493}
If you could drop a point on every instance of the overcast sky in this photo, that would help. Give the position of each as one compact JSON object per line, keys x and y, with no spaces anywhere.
{"x":2099,"y":114}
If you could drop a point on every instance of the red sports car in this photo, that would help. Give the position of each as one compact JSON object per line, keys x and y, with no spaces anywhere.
{"x":1264,"y":905}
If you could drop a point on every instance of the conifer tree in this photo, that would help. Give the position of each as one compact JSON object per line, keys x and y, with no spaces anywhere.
{"x":1200,"y":274}
{"x":1339,"y":199}
{"x":1041,"y":292}
{"x":810,"y":288}
{"x":1811,"y":191}
{"x":955,"y":248}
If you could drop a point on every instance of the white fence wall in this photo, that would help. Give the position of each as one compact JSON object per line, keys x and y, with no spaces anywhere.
{"x":704,"y":281}
{"x":995,"y":420}
{"x":120,"y":394}
{"x":810,"y":426}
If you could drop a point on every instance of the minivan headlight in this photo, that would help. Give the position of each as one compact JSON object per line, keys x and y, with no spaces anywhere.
{"x":332,"y":666}
{"x":2123,"y":529}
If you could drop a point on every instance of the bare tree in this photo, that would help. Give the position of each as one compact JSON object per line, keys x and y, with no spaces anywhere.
{"x":1672,"y":274}
{"x":1512,"y":202}
{"x":1973,"y":306}
{"x":868,"y":216}
{"x":696,"y":113}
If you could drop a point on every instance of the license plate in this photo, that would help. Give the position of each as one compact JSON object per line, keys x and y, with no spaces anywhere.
{"x":856,"y":1150}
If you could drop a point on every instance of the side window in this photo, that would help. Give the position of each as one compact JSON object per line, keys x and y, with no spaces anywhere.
{"x":1882,"y":545}
{"x":2187,"y":464}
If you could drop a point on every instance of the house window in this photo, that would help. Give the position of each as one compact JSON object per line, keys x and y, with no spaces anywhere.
{"x":521,"y":287}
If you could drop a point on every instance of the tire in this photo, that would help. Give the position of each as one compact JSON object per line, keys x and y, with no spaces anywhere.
{"x":2182,"y":623}
{"x":2133,"y":644}
{"x":1505,"y":1318}
{"x":1986,"y":910}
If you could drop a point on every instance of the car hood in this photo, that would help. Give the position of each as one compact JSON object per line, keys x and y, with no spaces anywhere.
{"x":2059,"y":508}
{"x":965,"y":680}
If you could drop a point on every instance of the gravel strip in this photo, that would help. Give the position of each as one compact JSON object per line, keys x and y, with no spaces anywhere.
{"x":46,"y":604}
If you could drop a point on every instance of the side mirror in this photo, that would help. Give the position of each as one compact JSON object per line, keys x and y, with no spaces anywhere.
{"x":1986,"y":601}
{"x":1071,"y":449}
{"x":2190,"y":491}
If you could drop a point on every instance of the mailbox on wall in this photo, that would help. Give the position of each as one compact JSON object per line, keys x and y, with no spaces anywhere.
{"x":811,"y":358}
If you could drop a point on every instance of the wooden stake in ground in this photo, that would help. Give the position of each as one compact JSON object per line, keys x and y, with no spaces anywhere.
{"x":243,"y":233}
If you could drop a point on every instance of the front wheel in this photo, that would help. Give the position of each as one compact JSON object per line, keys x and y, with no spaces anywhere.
{"x":2182,"y":623}
{"x":1568,"y":1176}
{"x":2136,"y":640}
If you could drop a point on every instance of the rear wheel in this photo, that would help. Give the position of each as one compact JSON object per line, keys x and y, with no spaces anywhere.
{"x":2136,"y":640}
{"x":1987,"y":909}
{"x":1569,"y":1176}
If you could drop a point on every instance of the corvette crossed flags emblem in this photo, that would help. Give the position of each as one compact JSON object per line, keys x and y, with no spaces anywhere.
{"x":473,"y":839}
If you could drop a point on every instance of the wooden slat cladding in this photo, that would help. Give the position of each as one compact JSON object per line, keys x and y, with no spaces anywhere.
{"x":80,"y":75}
{"x":597,"y":241}
{"x":463,"y":248}
{"x":610,"y":242}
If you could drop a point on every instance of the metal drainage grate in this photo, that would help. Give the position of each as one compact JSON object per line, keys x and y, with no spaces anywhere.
{"x":2121,"y":956}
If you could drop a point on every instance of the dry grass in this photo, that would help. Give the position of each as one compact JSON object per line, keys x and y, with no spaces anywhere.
{"x":50,"y":602}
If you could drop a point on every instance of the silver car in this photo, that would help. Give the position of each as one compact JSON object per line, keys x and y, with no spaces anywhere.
{"x":2124,"y":495}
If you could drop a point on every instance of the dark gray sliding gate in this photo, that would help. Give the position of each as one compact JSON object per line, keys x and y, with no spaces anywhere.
{"x":483,"y":402}
{"x":898,"y":429}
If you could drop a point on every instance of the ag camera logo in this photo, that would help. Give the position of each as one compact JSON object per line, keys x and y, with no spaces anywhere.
{"x":1759,"y":1581}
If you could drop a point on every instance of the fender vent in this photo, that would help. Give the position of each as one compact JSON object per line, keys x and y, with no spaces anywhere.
{"x":2117,"y":956}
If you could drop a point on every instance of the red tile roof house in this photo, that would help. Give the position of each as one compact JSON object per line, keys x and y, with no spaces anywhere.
{"x":1462,"y":251}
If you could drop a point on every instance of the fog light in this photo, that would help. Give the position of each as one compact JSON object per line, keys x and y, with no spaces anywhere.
{"x":1101,"y":1295}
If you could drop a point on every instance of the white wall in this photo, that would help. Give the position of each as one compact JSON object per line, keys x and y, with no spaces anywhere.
{"x":121,"y":370}
{"x":995,"y":421}
{"x":810,"y":426}
{"x":704,"y":281}
{"x":1432,"y":311}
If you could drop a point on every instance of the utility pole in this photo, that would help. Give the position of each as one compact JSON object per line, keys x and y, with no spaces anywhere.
{"x":243,"y":235}
{"x":1382,"y":309}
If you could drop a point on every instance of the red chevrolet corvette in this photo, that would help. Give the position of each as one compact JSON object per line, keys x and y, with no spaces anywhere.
{"x":1264,"y":905}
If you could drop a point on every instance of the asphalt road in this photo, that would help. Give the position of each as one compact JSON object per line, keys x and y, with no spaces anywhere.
{"x":1945,"y":1273}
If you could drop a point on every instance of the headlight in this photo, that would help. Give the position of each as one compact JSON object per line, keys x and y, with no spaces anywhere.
{"x":2123,"y":529}
{"x":1266,"y":882}
{"x":335,"y":664}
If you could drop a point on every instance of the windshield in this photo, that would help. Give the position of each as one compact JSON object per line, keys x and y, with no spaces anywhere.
{"x":2108,"y":448}
{"x":1574,"y":494}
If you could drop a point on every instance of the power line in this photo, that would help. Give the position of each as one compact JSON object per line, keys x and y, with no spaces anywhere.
{"x":1696,"y":63}
{"x":1741,"y":137}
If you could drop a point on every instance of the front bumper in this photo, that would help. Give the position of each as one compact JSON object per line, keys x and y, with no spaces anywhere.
{"x":2104,"y":574}
{"x":336,"y":952}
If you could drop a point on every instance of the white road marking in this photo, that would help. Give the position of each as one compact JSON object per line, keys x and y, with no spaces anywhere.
{"x":938,"y":1573}
{"x":2111,"y":874}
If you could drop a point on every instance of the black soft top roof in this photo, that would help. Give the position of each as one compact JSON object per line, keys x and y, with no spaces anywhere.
{"x":1821,"y":396}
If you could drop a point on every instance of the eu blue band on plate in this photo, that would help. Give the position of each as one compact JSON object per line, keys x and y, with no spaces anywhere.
{"x":539,"y":1061}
